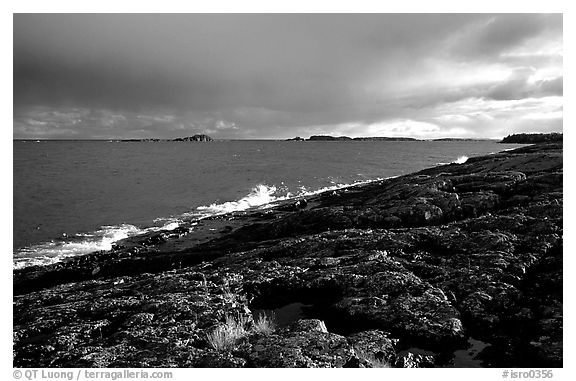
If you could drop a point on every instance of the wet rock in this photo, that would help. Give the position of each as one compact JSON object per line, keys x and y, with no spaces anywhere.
{"x":294,"y":206}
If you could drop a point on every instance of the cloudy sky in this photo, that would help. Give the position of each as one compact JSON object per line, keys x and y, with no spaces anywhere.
{"x":276,"y":76}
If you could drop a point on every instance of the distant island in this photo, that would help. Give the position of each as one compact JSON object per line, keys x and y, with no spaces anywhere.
{"x":515,"y":138}
{"x":328,"y":138}
{"x":385,"y":139}
{"x":533,"y":138}
{"x":194,"y":138}
{"x":462,"y":140}
{"x":143,"y":140}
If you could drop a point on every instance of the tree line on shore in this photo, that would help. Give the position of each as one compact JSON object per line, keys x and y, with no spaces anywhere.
{"x":533,"y":138}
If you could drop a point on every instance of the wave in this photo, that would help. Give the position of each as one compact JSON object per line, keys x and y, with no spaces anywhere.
{"x":261,"y":196}
{"x":459,"y":160}
{"x":264,"y":196}
{"x":80,"y":244}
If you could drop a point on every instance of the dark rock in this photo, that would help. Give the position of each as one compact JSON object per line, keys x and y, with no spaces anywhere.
{"x":373,"y":345}
{"x":305,"y":344}
{"x":294,"y":206}
{"x":218,"y":360}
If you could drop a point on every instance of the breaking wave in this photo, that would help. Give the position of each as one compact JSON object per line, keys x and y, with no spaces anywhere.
{"x":82,"y":243}
{"x":459,"y":160}
{"x":261,"y":196}
{"x":265,"y":196}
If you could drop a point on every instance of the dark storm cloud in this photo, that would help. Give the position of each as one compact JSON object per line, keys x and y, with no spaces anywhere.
{"x":489,"y":36}
{"x":265,"y":74}
{"x":202,"y":61}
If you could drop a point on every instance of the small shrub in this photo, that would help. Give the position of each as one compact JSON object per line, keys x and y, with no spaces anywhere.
{"x":227,"y":335}
{"x":223,"y":337}
{"x":264,"y":325}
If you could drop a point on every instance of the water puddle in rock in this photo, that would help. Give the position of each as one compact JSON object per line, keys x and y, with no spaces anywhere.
{"x":335,"y":322}
{"x":416,"y":351}
{"x":461,"y":358}
{"x":468,"y":358}
{"x":285,"y":315}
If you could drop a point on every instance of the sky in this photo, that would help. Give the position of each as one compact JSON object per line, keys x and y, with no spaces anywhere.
{"x":277,"y":76}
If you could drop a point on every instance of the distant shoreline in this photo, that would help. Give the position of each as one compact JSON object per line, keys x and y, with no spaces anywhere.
{"x":251,"y":140}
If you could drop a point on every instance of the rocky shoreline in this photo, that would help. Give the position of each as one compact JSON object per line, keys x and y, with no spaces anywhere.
{"x":456,"y":265}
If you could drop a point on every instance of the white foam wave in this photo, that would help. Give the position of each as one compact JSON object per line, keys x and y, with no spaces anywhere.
{"x":461,"y":160}
{"x":169,"y":224}
{"x":54,"y":251}
{"x":259,"y":195}
{"x":264,"y":197}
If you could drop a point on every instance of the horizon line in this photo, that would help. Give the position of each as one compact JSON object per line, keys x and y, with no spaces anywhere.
{"x":248,"y":139}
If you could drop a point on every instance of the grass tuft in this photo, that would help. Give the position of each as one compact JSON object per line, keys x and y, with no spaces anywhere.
{"x":264,"y":325}
{"x":227,"y":335}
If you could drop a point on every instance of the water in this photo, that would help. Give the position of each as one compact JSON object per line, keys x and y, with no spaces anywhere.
{"x":74,"y":197}
{"x":283,"y":316}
